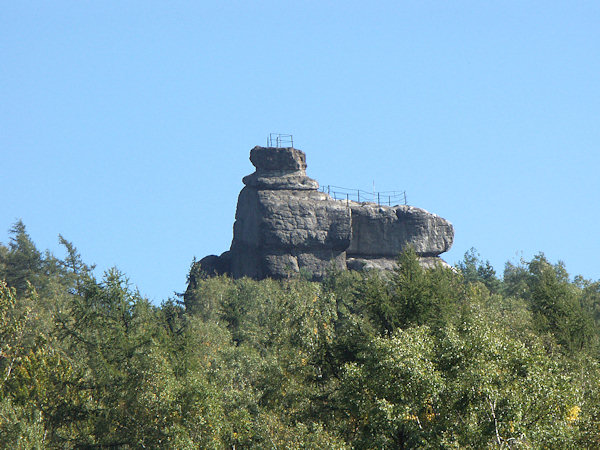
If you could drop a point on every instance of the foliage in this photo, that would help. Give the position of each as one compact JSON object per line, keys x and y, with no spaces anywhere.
{"x":474,"y":270}
{"x":441,"y":358}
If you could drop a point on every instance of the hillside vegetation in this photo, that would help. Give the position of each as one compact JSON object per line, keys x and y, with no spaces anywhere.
{"x":414,"y":359}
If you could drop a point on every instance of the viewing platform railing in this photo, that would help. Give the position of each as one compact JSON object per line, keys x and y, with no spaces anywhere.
{"x":280,"y":140}
{"x":389,"y":198}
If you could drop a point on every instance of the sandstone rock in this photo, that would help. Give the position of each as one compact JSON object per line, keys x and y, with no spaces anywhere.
{"x":388,"y":264}
{"x":284,"y":225}
{"x":385,"y":231}
{"x":275,"y":182}
{"x":279,"y":168}
{"x":361,"y":264}
{"x":278,"y":159}
{"x":281,"y":231}
{"x":216,"y":265}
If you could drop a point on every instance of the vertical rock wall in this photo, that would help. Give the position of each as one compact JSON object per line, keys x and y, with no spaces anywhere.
{"x":283,"y":224}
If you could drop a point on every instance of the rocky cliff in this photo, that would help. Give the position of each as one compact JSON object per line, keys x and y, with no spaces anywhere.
{"x":284,"y":224}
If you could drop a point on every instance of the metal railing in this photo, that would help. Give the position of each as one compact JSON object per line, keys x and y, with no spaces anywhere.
{"x":389,"y":198}
{"x":280,"y":140}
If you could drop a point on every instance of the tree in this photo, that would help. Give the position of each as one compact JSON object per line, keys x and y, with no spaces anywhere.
{"x":474,"y":270}
{"x":389,"y":393}
{"x":424,"y":297}
{"x":24,"y":262}
{"x":556,"y":306}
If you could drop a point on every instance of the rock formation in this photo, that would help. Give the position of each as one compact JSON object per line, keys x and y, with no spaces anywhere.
{"x":284,"y":224}
{"x":380,"y":234}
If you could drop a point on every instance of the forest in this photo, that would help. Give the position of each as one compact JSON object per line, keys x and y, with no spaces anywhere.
{"x":442,"y":358}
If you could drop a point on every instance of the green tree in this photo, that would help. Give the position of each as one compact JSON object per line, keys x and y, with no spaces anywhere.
{"x":556,"y":306}
{"x":423,"y":297}
{"x":474,"y":269}
{"x":23,"y":264}
{"x":389,"y":393}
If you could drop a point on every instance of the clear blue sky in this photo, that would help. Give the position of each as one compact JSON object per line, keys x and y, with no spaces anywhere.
{"x":126,"y":126}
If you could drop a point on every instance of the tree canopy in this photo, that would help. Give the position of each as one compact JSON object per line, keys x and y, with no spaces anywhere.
{"x":444,"y":358}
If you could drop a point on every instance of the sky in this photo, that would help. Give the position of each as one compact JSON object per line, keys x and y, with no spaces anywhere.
{"x":126,"y":126}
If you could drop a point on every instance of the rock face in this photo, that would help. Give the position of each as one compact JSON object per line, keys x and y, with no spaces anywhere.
{"x":284,"y":224}
{"x":381,"y":233}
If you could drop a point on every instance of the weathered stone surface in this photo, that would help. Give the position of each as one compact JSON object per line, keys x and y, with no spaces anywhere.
{"x":280,"y":264}
{"x":276,"y":231}
{"x":279,"y":168}
{"x":361,"y":264}
{"x":288,"y":181}
{"x":385,"y":231}
{"x":278,"y":159}
{"x":283,"y":225}
{"x":216,"y":265}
